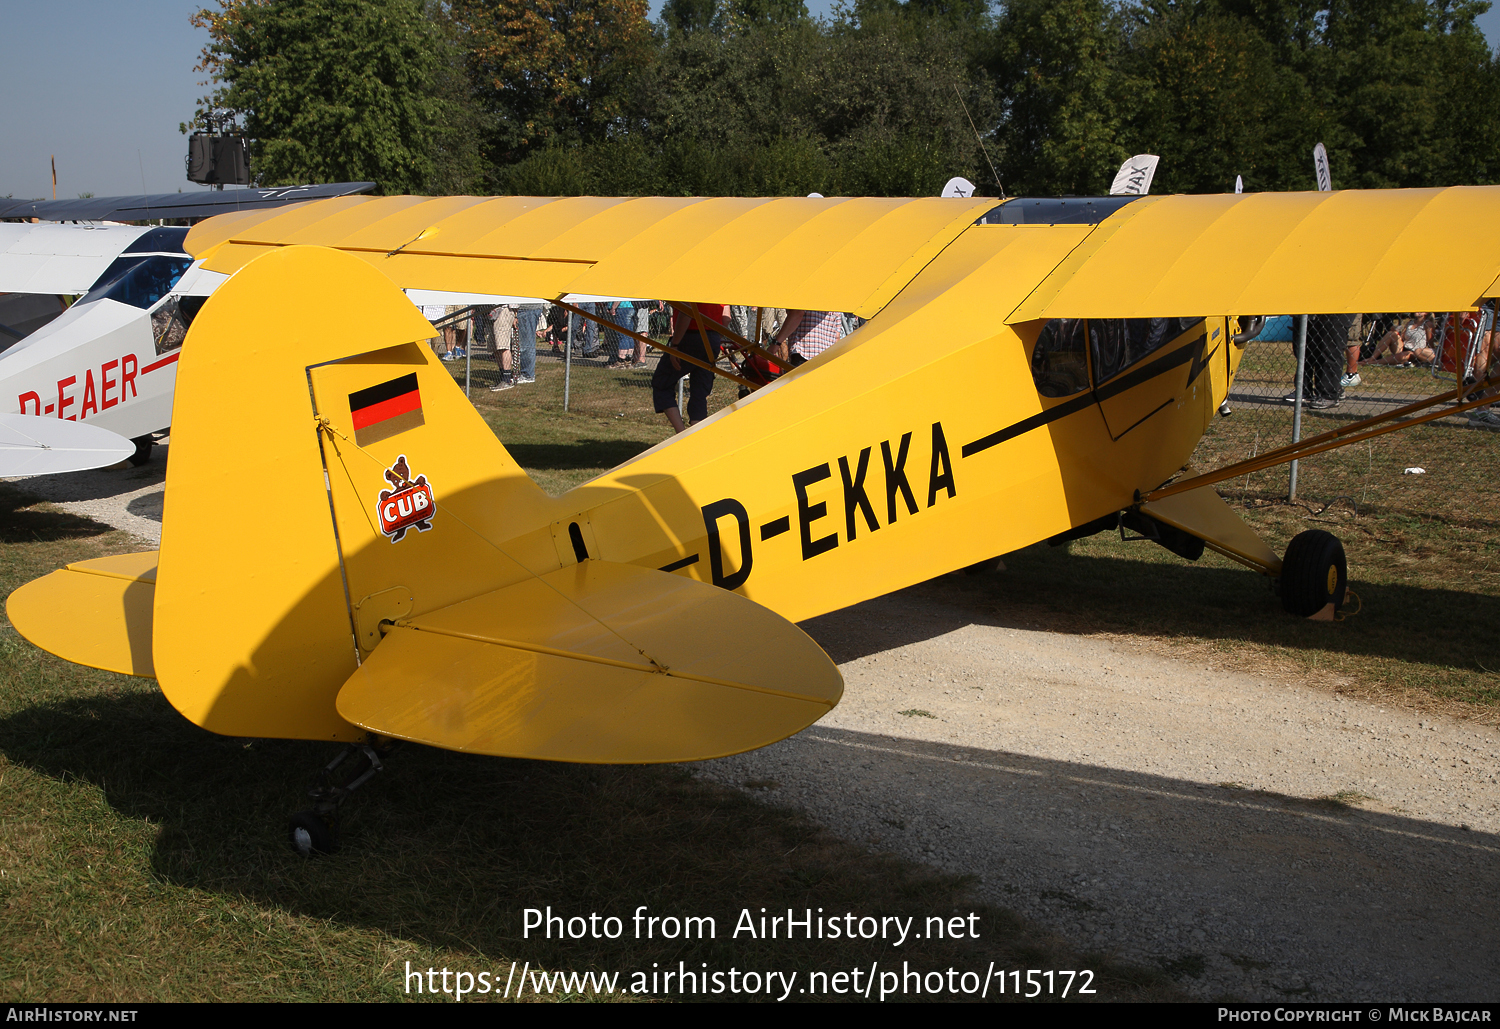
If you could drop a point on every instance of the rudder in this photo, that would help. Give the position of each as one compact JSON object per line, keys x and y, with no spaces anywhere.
{"x":306,"y":359}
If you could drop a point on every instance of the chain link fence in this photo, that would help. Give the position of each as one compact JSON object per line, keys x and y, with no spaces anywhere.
{"x":585,"y":367}
{"x":1351,"y":368}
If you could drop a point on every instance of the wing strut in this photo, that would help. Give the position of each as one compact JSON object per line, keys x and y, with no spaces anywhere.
{"x":1355,"y":432}
{"x":689,"y":358}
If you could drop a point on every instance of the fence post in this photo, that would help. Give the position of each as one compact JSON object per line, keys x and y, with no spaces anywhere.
{"x":468,"y":349}
{"x":568,"y":363}
{"x":1301,"y":337}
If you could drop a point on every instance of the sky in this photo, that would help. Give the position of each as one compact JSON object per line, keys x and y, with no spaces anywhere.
{"x":103,"y":84}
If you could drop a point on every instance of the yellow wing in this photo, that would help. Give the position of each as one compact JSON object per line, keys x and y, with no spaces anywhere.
{"x":1265,"y":253}
{"x":832,"y":255}
{"x":1356,"y":250}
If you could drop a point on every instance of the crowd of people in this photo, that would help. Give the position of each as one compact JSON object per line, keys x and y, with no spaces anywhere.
{"x":1338,"y":345}
{"x":619,"y":330}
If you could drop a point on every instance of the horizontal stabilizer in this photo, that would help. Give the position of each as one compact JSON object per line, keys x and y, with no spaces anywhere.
{"x":95,"y":613}
{"x":1202,"y":512}
{"x":597,"y":662}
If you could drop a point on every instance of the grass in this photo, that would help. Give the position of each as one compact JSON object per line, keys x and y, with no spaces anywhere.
{"x":143,"y":859}
{"x":1424,"y":563}
{"x":607,"y":423}
{"x":610,"y":416}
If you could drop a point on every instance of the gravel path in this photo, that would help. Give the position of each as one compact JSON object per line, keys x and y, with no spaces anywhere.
{"x":127,"y":498}
{"x":1255,"y":839}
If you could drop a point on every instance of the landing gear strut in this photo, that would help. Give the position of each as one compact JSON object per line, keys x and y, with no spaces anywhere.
{"x":316,"y":830}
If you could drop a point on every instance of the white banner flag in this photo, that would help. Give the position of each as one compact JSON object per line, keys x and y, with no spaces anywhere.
{"x":958,"y":186}
{"x":1135,"y":175}
{"x":1320,"y":162}
{"x":1239,"y":184}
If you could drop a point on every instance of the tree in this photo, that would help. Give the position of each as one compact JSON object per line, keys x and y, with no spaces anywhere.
{"x":1057,"y":65}
{"x":552,"y":72}
{"x":723,"y":17}
{"x":1214,"y":103}
{"x":330,"y":90}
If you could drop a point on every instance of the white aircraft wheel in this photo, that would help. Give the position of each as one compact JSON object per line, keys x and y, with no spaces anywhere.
{"x":309,"y":834}
{"x":1313,"y":573}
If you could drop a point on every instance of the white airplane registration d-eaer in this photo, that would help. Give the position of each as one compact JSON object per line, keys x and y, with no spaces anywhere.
{"x":108,"y":358}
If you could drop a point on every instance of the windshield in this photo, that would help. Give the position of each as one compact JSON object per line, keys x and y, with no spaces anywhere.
{"x":139,"y":282}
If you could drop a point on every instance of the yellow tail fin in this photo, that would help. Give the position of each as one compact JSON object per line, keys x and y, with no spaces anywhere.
{"x":347,"y":546}
{"x":286,"y":426}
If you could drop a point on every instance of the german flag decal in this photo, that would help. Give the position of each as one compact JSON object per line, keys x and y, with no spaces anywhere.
{"x":382,"y":411}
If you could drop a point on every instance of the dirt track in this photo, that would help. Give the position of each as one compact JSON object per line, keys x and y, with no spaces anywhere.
{"x":1134,"y":801}
{"x":1177,"y":815}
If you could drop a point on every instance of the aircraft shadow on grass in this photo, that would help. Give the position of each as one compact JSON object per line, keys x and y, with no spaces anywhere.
{"x":20,"y":525}
{"x":583,"y":453}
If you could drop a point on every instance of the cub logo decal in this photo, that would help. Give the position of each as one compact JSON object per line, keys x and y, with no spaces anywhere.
{"x":408,"y":504}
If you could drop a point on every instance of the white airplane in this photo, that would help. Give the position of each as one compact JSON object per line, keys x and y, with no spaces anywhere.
{"x":110,"y":357}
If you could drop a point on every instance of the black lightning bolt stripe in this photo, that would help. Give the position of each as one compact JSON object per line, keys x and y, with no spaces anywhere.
{"x":1025,"y":425}
{"x":1193,"y":353}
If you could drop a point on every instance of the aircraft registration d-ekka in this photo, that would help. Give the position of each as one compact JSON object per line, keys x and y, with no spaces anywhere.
{"x":348,"y":553}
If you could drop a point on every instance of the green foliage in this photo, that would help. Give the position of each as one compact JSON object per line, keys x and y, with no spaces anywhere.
{"x":785,"y":108}
{"x":460,"y":136}
{"x":751,"y":97}
{"x":1058,"y":63}
{"x":1215,"y":103}
{"x":552,"y":72}
{"x":333,"y":90}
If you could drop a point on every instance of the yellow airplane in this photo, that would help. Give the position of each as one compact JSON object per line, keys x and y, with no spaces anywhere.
{"x":349,"y":554}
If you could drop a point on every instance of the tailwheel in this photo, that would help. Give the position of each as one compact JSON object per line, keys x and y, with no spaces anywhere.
{"x":310,"y":835}
{"x":1314,"y":575}
{"x":316,"y":830}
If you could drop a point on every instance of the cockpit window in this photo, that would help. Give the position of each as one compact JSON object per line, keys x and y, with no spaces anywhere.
{"x":1118,"y":343}
{"x":164,"y":239}
{"x":1059,"y":364}
{"x":1054,"y":210}
{"x":139,"y":281}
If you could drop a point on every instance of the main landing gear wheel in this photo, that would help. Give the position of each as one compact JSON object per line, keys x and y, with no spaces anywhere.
{"x":310,"y":835}
{"x":1313,"y":575}
{"x":143,"y":448}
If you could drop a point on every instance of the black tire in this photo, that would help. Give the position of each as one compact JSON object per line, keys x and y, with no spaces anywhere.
{"x":1313,"y":573}
{"x":143,"y":447}
{"x":308,"y":834}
